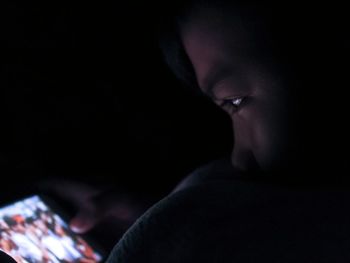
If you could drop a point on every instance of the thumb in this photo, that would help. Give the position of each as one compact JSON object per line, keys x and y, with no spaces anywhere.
{"x":85,"y":220}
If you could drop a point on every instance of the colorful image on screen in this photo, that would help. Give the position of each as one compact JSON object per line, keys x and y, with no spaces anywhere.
{"x":31,"y":233}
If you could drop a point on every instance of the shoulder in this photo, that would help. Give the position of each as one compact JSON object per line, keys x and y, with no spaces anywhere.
{"x":239,"y":221}
{"x":217,"y":170}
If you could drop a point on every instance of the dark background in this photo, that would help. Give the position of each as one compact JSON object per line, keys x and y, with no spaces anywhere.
{"x":85,"y":95}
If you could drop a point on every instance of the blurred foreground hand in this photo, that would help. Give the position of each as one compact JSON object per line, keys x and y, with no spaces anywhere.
{"x":97,"y":207}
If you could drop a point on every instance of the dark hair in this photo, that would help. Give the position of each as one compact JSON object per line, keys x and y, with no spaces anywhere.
{"x":289,"y":30}
{"x":173,"y":52}
{"x":170,"y":41}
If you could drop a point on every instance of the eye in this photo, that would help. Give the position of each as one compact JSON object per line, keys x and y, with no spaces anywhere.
{"x":236,"y":101}
{"x":232,"y":105}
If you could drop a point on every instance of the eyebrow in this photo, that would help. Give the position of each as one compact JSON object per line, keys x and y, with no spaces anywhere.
{"x":214,"y":76}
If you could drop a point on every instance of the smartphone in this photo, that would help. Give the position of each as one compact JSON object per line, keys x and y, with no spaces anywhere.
{"x":34,"y":230}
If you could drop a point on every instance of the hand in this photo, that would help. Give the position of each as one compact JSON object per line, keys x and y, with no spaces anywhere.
{"x":97,"y":206}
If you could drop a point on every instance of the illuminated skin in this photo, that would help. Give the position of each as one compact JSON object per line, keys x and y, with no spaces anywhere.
{"x":254,"y":94}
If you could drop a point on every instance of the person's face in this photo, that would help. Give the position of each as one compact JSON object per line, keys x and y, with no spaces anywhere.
{"x":234,"y":72}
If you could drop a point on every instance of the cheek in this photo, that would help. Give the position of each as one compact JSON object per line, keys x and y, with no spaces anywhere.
{"x":245,"y":141}
{"x":260,"y":133}
{"x":274,"y":139}
{"x":267,"y":142}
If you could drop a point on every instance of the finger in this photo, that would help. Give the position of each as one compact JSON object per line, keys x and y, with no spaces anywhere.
{"x":98,"y":208}
{"x":119,"y":206}
{"x":85,"y":220}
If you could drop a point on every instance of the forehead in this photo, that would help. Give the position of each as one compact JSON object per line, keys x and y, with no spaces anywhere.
{"x":213,"y":38}
{"x":213,"y":28}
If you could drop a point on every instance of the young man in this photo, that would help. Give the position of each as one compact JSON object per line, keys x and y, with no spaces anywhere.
{"x":274,"y":70}
{"x":278,"y":71}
